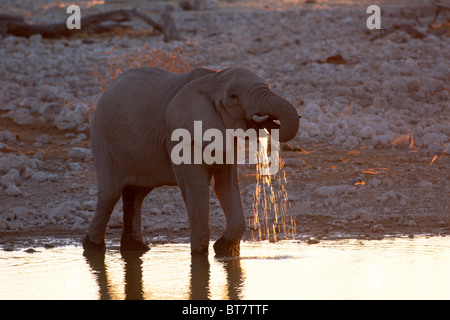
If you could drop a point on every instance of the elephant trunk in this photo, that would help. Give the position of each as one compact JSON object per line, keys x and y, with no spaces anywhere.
{"x":277,"y":108}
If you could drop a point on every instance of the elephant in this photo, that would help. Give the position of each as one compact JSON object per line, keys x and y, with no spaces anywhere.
{"x":131,"y":145}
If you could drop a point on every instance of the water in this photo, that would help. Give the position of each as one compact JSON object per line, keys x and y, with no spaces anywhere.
{"x":397,"y":268}
{"x":270,"y":219}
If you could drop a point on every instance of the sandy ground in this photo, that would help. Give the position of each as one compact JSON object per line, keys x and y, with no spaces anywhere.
{"x":360,"y":166}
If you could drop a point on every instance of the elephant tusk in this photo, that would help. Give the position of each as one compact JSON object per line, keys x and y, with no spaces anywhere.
{"x":260,"y":119}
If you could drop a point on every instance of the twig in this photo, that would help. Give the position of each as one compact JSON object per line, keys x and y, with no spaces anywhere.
{"x":16,"y":25}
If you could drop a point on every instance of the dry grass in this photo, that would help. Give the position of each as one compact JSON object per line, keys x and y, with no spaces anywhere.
{"x":173,"y":61}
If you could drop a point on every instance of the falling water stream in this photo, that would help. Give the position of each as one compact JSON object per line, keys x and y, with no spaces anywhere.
{"x":393,"y":268}
{"x":270,"y":219}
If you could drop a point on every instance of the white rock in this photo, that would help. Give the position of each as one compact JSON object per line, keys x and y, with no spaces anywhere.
{"x":331,"y":191}
{"x":326,"y":129}
{"x":81,"y":108}
{"x":13,"y":191}
{"x":7,"y":136}
{"x":380,"y":125}
{"x":75,"y":166}
{"x":302,"y":135}
{"x":31,"y":103}
{"x":60,"y":212}
{"x":8,"y":216}
{"x":298,"y":163}
{"x":389,"y":195}
{"x":14,"y":225}
{"x":42,"y":176}
{"x":67,"y":121}
{"x":155,"y":211}
{"x":363,"y":214}
{"x":409,"y":223}
{"x":366,"y":132}
{"x":11,"y":178}
{"x":351,"y":142}
{"x":48,"y":93}
{"x":79,"y":223}
{"x":84,"y":214}
{"x":410,"y":65}
{"x":377,"y":228}
{"x":382,"y":140}
{"x":434,"y":148}
{"x":116,"y":220}
{"x":72,"y":118}
{"x":3,"y":224}
{"x":167,"y":208}
{"x":35,"y":163}
{"x":312,"y":111}
{"x":22,"y":212}
{"x":90,"y":205}
{"x":79,"y":153}
{"x":23,"y":117}
{"x":432,"y":138}
{"x":426,"y":185}
{"x":311,"y":128}
{"x":35,"y":39}
{"x":44,"y":139}
{"x":78,"y":139}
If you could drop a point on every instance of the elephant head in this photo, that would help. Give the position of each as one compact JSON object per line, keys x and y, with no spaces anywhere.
{"x":231,"y":99}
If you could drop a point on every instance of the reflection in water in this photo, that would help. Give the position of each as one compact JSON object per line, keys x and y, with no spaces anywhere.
{"x":133,"y":277}
{"x":234,"y":277}
{"x":97,"y":263}
{"x":133,"y":280}
{"x":200,"y":274}
{"x":395,"y":268}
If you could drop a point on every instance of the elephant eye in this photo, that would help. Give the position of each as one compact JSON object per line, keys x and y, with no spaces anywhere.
{"x":233,"y":96}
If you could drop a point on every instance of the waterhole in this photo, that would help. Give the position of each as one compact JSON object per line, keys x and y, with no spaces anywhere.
{"x":393,"y":268}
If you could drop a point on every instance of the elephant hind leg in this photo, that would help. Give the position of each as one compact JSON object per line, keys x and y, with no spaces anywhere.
{"x":106,"y":201}
{"x":132,"y":239}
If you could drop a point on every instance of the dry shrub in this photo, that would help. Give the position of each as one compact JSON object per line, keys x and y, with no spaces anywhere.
{"x":173,"y":61}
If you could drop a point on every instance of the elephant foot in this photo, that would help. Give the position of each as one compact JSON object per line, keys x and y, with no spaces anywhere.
{"x":128,"y":243}
{"x":199,"y":253}
{"x":92,"y":248}
{"x":226,"y":248}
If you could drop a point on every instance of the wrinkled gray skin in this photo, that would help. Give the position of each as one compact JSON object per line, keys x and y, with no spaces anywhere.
{"x":131,"y":144}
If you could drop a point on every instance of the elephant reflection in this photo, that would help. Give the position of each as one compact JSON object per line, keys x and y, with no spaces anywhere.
{"x":200,"y":276}
{"x":132,"y":279}
{"x":199,"y":288}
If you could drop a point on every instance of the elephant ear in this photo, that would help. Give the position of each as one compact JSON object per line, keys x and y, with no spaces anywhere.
{"x":193,"y":109}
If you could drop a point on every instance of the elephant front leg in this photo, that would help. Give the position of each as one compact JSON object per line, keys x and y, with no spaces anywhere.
{"x":197,"y":204}
{"x":193,"y":181}
{"x":226,"y":186}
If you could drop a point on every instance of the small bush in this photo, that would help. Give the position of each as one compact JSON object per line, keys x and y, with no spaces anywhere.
{"x":173,"y":61}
